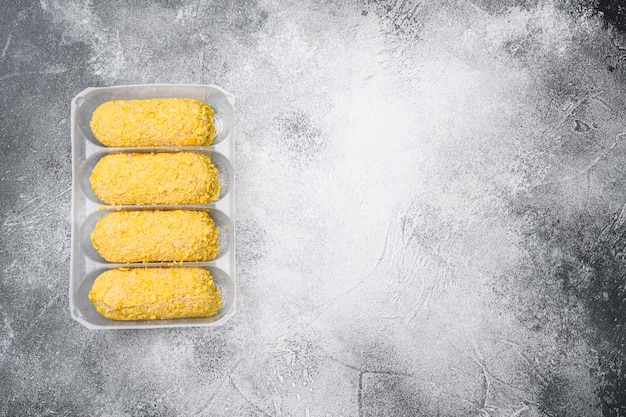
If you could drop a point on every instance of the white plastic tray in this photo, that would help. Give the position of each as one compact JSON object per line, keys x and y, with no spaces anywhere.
{"x":86,"y":264}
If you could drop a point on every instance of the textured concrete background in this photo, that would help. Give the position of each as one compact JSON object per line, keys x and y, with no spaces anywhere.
{"x":431,"y":209}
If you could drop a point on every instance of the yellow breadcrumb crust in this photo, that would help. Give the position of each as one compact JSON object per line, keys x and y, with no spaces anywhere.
{"x":155,"y":293}
{"x":156,"y":178}
{"x":156,"y":236}
{"x":154,"y":122}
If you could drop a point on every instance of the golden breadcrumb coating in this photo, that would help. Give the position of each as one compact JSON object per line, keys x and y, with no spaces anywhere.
{"x":154,"y":122}
{"x":156,"y":236}
{"x":156,"y":178}
{"x":155,"y":293}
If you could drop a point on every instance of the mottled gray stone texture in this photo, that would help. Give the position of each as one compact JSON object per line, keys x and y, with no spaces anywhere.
{"x":431,"y":209}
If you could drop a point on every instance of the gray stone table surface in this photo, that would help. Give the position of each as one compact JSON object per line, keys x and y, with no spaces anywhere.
{"x":431,"y":208}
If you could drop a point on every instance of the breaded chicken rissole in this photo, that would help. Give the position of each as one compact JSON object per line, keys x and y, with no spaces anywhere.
{"x":155,"y":293}
{"x":156,"y":178}
{"x":156,"y":236}
{"x":153,"y":122}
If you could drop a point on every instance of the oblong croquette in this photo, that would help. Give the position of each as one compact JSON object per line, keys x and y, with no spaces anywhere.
{"x":156,"y":236}
{"x":156,"y":178}
{"x":155,"y":293}
{"x":153,"y":122}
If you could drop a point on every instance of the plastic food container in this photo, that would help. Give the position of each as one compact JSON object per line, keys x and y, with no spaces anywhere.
{"x":86,"y":264}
